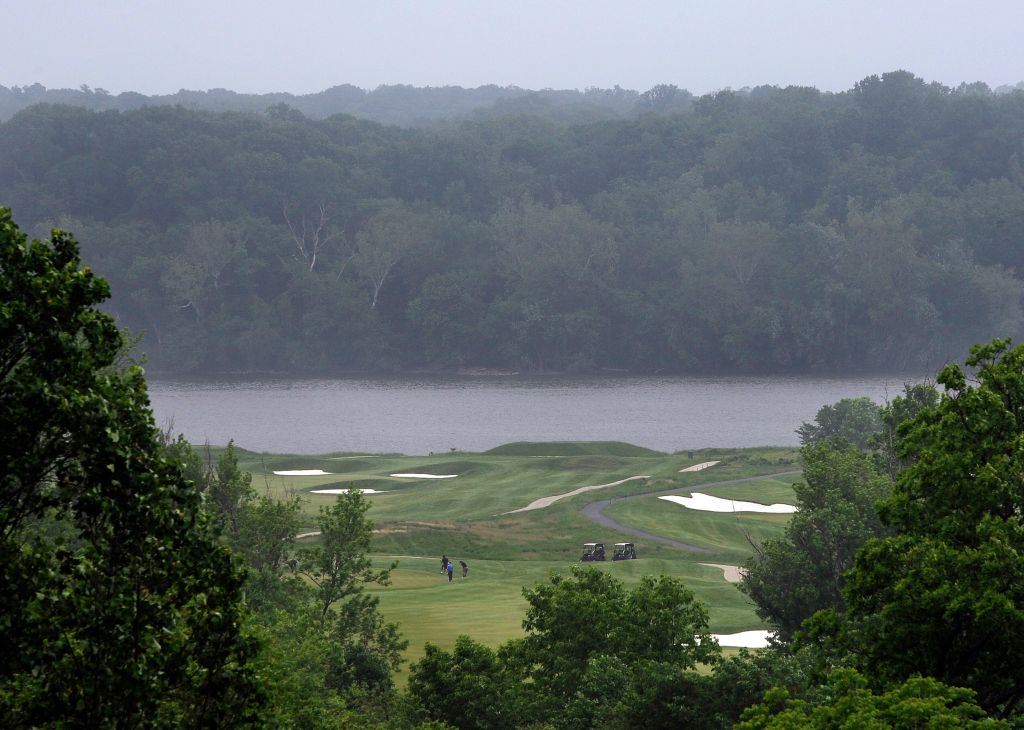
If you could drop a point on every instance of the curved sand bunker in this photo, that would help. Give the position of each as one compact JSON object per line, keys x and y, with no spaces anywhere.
{"x":744,"y":639}
{"x":346,"y":491}
{"x":301,"y":473}
{"x":425,"y":476}
{"x":548,"y":501}
{"x":699,"y":467}
{"x":731,"y":573}
{"x":707,"y":503}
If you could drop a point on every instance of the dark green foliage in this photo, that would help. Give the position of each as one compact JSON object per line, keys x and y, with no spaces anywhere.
{"x":775,"y":230}
{"x":853,"y":420}
{"x":791,"y":577}
{"x":902,"y":409}
{"x":466,"y":688}
{"x":338,"y":566}
{"x":847,"y":702}
{"x":595,"y":655}
{"x":944,"y":596}
{"x":119,"y":606}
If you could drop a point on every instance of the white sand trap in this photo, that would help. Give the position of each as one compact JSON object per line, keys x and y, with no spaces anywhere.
{"x":707,"y":503}
{"x":744,"y":639}
{"x":731,"y":573}
{"x":425,"y":476}
{"x":699,"y":467}
{"x":307,"y":534}
{"x":346,"y":491}
{"x":548,"y":501}
{"x":302,"y":473}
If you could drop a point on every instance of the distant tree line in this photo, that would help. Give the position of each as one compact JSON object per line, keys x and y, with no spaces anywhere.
{"x":777,"y":230}
{"x":388,"y":104}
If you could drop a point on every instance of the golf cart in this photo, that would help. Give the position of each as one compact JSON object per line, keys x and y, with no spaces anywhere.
{"x":624,"y":551}
{"x":592,"y":551}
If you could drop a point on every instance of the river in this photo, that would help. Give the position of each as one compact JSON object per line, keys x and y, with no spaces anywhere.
{"x":419,"y":415}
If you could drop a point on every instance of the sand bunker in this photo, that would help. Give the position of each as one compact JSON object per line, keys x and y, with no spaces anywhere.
{"x":302,"y":473}
{"x":707,"y":503}
{"x":307,"y":534}
{"x":731,"y":573}
{"x":699,"y":467}
{"x":548,"y":501}
{"x":346,"y":491}
{"x":425,"y":476}
{"x":744,"y":639}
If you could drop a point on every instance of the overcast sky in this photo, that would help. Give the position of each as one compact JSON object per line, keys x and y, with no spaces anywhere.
{"x":160,"y":46}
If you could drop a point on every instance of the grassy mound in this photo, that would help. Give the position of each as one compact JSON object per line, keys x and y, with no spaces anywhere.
{"x":571,"y":448}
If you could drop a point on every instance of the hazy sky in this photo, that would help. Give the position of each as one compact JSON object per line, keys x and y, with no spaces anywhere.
{"x":160,"y":46}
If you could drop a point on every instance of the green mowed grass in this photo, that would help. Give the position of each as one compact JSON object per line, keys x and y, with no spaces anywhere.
{"x":467,"y":518}
{"x":489,"y":605}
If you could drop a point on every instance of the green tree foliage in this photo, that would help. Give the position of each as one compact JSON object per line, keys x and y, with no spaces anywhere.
{"x":848,"y":702}
{"x":944,"y":595}
{"x":467,"y":687}
{"x":338,"y":566}
{"x":853,"y":420}
{"x":574,"y":618}
{"x":793,"y":576}
{"x":901,"y":409}
{"x":595,"y":655}
{"x":120,"y":608}
{"x":767,"y":230}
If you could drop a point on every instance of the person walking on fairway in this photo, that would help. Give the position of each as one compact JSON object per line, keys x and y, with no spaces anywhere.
{"x":444,"y":563}
{"x":465,"y":568}
{"x":451,"y":569}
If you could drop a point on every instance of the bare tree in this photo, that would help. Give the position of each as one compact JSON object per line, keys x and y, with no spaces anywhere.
{"x":312,"y":234}
{"x":382,"y":243}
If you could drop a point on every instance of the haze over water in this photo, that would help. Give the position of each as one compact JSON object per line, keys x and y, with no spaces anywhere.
{"x":419,"y":415}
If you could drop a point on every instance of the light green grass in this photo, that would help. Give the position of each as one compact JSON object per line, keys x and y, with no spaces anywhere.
{"x":465,"y":519}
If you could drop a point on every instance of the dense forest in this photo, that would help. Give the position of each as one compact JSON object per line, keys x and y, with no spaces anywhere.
{"x":774,"y":230}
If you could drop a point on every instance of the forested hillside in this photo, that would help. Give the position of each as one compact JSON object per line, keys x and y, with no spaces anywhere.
{"x":780,"y":230}
{"x":399,"y":104}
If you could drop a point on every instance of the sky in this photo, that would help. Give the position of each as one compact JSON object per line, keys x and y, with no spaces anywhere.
{"x":303,"y":46}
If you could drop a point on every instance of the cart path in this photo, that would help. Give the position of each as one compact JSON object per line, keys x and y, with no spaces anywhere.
{"x":594,"y":511}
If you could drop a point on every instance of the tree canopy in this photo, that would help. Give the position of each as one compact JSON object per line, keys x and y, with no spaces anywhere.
{"x":774,"y":230}
{"x":120,"y":606}
{"x":943,"y":595}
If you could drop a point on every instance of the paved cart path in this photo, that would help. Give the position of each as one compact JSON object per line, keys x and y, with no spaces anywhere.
{"x":595,"y":510}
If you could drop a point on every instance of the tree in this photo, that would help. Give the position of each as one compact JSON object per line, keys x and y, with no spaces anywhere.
{"x":338,"y":566}
{"x":572,"y":619}
{"x":944,"y":595}
{"x":791,"y":577}
{"x":467,"y":687}
{"x":901,"y":409}
{"x":848,"y":702}
{"x":120,"y":608}
{"x":388,"y":236}
{"x":854,"y":420}
{"x":595,"y":655}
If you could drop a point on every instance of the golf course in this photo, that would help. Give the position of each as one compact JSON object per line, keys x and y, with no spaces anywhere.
{"x":521,"y":511}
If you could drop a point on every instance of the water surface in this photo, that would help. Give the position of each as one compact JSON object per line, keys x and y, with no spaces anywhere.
{"x":419,"y":415}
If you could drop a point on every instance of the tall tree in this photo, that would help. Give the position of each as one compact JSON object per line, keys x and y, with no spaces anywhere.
{"x":944,"y":596}
{"x":791,"y":577}
{"x":120,"y":609}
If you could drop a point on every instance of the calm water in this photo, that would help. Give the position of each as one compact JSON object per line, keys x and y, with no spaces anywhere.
{"x":418,"y":415}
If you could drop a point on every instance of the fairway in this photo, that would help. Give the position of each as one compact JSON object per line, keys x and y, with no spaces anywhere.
{"x":472,"y":517}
